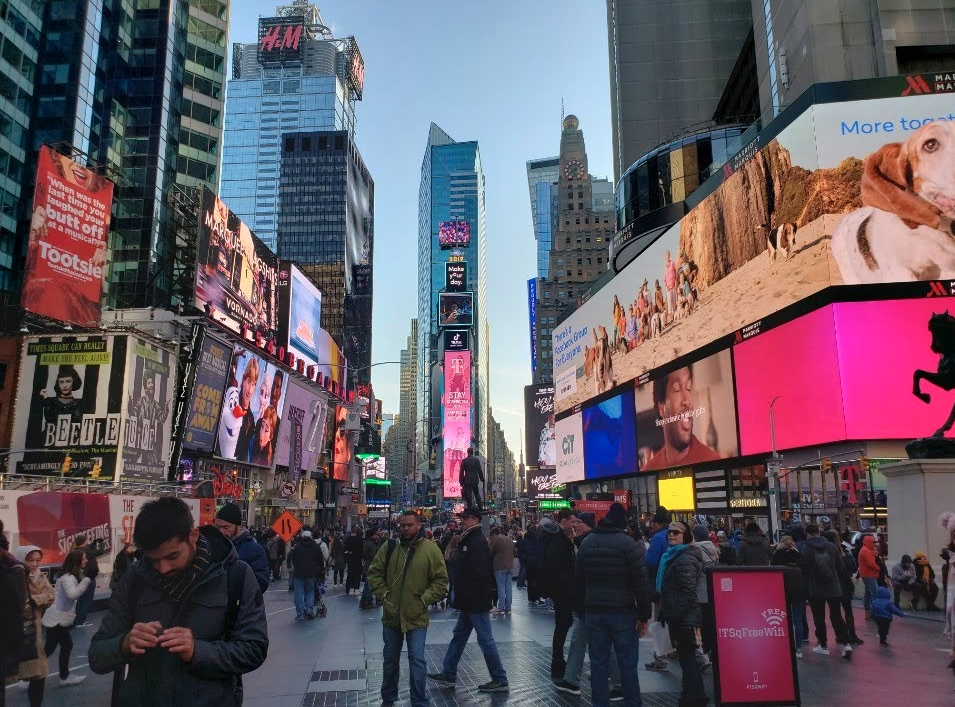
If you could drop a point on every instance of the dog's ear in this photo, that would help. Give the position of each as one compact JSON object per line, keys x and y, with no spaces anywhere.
{"x":887,"y":185}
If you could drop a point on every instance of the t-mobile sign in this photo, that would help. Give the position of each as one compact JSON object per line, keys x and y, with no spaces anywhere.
{"x":457,"y":417}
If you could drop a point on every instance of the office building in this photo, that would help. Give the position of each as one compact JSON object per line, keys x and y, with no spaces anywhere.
{"x":541,"y":181}
{"x":296,"y":78}
{"x":450,"y":196}
{"x":501,"y":471}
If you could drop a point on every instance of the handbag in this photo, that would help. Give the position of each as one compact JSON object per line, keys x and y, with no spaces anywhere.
{"x":29,"y":647}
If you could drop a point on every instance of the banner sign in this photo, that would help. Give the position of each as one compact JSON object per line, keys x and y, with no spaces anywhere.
{"x":539,"y":426}
{"x":753,"y":657}
{"x":152,"y":378}
{"x":532,"y":319}
{"x":457,"y":417}
{"x":66,"y":252}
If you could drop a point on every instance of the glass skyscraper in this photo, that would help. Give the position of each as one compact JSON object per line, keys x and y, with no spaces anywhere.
{"x":542,"y":177}
{"x":451,"y":189}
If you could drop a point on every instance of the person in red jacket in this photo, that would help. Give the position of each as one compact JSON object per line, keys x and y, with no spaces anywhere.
{"x":869,"y":571}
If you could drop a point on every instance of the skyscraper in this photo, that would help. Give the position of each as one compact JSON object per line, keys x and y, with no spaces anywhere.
{"x":402,"y":461}
{"x":450,"y":208}
{"x":541,"y":180}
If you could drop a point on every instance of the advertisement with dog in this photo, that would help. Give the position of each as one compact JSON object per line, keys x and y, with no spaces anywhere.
{"x":846,"y":193}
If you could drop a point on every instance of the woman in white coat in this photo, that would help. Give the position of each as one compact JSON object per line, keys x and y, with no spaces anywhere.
{"x":58,"y":619}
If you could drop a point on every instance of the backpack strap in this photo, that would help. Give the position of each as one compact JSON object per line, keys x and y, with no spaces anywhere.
{"x":392,"y":544}
{"x":235,"y":579}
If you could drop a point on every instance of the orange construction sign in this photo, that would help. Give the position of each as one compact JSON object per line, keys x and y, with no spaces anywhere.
{"x":286,"y":525}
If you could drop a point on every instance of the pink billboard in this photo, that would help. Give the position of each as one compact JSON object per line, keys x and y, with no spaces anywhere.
{"x":457,"y":417}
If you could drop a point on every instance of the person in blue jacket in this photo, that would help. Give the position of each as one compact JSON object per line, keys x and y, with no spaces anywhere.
{"x":882,"y":609}
{"x":658,"y":546}
{"x":229,"y":522}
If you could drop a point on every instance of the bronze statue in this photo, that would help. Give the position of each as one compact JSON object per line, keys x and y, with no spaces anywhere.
{"x":942,"y":327}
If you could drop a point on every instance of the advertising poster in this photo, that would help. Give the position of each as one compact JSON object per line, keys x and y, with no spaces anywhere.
{"x":236,"y":273}
{"x":359,"y":231}
{"x":151,"y":387}
{"x":331,"y":364}
{"x":542,"y":483}
{"x":69,"y":405}
{"x":540,"y":426}
{"x":532,"y":320}
{"x":687,"y":416}
{"x":610,"y":444}
{"x":454,"y":233}
{"x":675,"y":490}
{"x":302,"y":328}
{"x":376,"y":469}
{"x":457,"y":417}
{"x":66,"y":252}
{"x":456,"y":340}
{"x":570,"y":449}
{"x":9,"y":354}
{"x":212,"y":369}
{"x":455,"y":309}
{"x":456,"y":277}
{"x":344,"y":449}
{"x":303,"y":430}
{"x":252,"y":410}
{"x":753,"y":662}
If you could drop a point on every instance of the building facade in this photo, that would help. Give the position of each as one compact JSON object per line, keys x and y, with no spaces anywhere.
{"x":541,"y":179}
{"x":451,"y":191}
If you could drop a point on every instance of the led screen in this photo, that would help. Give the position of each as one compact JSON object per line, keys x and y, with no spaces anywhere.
{"x":570,"y":449}
{"x":676,"y":493}
{"x":540,"y":435}
{"x":688,"y":415}
{"x":610,"y":446}
{"x":454,"y":233}
{"x":457,"y":417}
{"x":344,"y":449}
{"x":455,"y":309}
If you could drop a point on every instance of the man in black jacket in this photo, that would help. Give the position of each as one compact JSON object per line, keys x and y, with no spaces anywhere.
{"x":308,"y":564}
{"x":472,"y":477}
{"x":558,"y":572}
{"x":617,"y":603}
{"x":472,"y":588}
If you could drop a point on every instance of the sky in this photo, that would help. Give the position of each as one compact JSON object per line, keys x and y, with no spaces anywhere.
{"x":494,"y":71}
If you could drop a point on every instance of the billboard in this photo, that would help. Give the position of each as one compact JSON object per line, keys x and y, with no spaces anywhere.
{"x":376,"y":469}
{"x":457,"y":417}
{"x":570,"y":449}
{"x":687,"y":415}
{"x":9,"y":359}
{"x":301,"y":307}
{"x":252,"y":410}
{"x":455,"y":309}
{"x":456,"y":340}
{"x":281,"y":39}
{"x":456,"y":276}
{"x":302,"y":436}
{"x":610,"y":445}
{"x":539,"y":426}
{"x":809,"y":210}
{"x":542,"y":483}
{"x":66,"y":251}
{"x":344,"y":449}
{"x":675,"y":490}
{"x":212,"y":368}
{"x":454,"y":233}
{"x":532,"y":321}
{"x":70,"y":405}
{"x":150,"y":392}
{"x":236,"y":273}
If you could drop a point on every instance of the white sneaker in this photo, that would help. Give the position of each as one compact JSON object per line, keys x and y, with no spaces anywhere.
{"x":23,"y":685}
{"x":847,"y":651}
{"x":799,"y":654}
{"x":820,"y":650}
{"x":72,"y":680}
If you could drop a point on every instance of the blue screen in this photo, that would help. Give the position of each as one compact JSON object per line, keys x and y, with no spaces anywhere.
{"x":610,"y":443}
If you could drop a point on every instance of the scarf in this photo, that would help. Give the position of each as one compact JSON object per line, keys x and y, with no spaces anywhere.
{"x":176,"y":586}
{"x":665,"y":560}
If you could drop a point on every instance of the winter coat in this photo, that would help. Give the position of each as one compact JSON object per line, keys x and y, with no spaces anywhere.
{"x":868,"y":565}
{"x":13,"y":591}
{"x":658,"y":545}
{"x":160,"y":678}
{"x":610,"y":564}
{"x":727,"y":553}
{"x":39,"y":595}
{"x":679,"y":606}
{"x":253,"y":554}
{"x":353,"y":553}
{"x":473,"y":573}
{"x":502,"y":552}
{"x":306,"y":559}
{"x":753,"y":550}
{"x":557,"y":564}
{"x":794,"y":579}
{"x":883,"y":607}
{"x":63,"y":611}
{"x":338,"y":552}
{"x":903,"y":577}
{"x":711,"y":556}
{"x":368,"y":551}
{"x":533,"y":552}
{"x":816,"y":586}
{"x":417,"y":578}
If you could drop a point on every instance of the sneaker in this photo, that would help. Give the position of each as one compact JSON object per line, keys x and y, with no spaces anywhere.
{"x":884,"y":644}
{"x":72,"y":680}
{"x":616,"y":695}
{"x":300,"y":618}
{"x":657,"y":665}
{"x":847,"y":651}
{"x":441,"y":679}
{"x":494,"y":686}
{"x":568,"y":687}
{"x":85,"y":624}
{"x":799,"y":654}
{"x":23,"y":685}
{"x":820,"y":650}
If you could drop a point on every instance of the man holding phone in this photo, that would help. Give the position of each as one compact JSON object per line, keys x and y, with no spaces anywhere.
{"x":188,"y":620}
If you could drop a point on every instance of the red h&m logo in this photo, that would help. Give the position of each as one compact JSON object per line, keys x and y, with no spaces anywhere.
{"x":917,"y":85}
{"x":936,"y":289}
{"x":276,"y":38}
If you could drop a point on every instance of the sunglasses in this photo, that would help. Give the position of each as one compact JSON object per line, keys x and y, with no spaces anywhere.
{"x":674,"y":532}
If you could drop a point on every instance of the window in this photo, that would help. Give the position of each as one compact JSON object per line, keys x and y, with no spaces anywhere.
{"x":580,"y":206}
{"x":580,"y":195}
{"x":570,"y":206}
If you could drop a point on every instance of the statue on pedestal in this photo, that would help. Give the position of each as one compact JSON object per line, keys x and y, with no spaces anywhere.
{"x":942,"y":328}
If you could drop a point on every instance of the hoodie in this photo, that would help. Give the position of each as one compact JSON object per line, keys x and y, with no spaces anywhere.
{"x":557,"y":562}
{"x":868,"y":565}
{"x":883,"y":607}
{"x":711,"y":556}
{"x":753,"y":550}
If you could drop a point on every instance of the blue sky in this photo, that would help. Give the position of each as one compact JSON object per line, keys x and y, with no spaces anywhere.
{"x":494,"y":71}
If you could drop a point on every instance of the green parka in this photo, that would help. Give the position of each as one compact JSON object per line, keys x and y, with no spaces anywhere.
{"x":408,"y":591}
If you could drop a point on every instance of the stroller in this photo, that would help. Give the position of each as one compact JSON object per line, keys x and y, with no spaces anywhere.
{"x":321,"y":609}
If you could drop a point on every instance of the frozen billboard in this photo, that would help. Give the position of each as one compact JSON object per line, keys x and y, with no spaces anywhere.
{"x":152,"y":380}
{"x":457,"y":417}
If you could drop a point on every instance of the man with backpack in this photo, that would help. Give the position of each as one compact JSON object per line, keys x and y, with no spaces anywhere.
{"x":824,"y":588}
{"x":407,"y":576}
{"x":161,"y":621}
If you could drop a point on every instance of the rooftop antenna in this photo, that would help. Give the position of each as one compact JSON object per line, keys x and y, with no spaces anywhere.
{"x":561,"y":110}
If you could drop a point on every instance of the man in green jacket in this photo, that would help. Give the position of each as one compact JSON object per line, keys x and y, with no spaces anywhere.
{"x":407,"y":577}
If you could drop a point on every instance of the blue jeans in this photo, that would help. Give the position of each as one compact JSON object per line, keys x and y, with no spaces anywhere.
{"x":304,"y":596}
{"x":85,"y":603}
{"x":503,"y":579}
{"x":480,"y":621}
{"x":618,"y":630}
{"x":522,"y":577}
{"x":366,"y":597}
{"x":576,"y":652}
{"x":871,"y":587}
{"x":416,"y":664}
{"x":796,"y":614}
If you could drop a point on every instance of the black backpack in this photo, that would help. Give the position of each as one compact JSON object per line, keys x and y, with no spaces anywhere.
{"x":822,"y":566}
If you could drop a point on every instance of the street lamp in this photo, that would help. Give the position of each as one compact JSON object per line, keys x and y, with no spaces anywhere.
{"x":772,"y":475}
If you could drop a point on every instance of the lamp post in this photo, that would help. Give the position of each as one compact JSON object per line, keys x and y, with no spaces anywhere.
{"x":772,"y":475}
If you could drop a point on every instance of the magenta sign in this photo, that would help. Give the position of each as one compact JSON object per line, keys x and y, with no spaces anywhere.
{"x":457,"y":417}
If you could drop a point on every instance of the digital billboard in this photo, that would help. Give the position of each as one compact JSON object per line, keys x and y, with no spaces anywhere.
{"x":810,"y":209}
{"x":150,"y":390}
{"x":542,"y":483}
{"x":457,"y":417}
{"x":212,"y":367}
{"x":456,"y":276}
{"x":66,"y":250}
{"x":687,"y":415}
{"x":675,"y":490}
{"x":455,"y":309}
{"x":454,"y":233}
{"x":456,"y":340}
{"x":539,"y":426}
{"x":301,"y":311}
{"x":343,"y":451}
{"x":570,"y":448}
{"x":376,"y":469}
{"x":70,"y":406}
{"x":302,"y":435}
{"x":610,"y":445}
{"x":236,"y":273}
{"x":252,"y":410}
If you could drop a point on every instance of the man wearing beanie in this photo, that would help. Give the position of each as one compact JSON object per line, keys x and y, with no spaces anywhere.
{"x":616,"y":603}
{"x":229,"y":522}
{"x":658,"y":546}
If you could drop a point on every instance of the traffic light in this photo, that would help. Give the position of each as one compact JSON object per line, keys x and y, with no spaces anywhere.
{"x":864,"y":464}
{"x":97,"y":468}
{"x":67,"y":463}
{"x":826,"y":464}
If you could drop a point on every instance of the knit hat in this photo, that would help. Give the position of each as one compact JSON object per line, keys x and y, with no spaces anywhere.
{"x":306,"y":533}
{"x":662,"y":516}
{"x":617,"y":516}
{"x":701,"y":532}
{"x":230,"y":513}
{"x":587,"y":519}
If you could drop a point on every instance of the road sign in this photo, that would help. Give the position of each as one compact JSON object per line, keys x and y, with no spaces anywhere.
{"x":288,"y":489}
{"x":286,"y":525}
